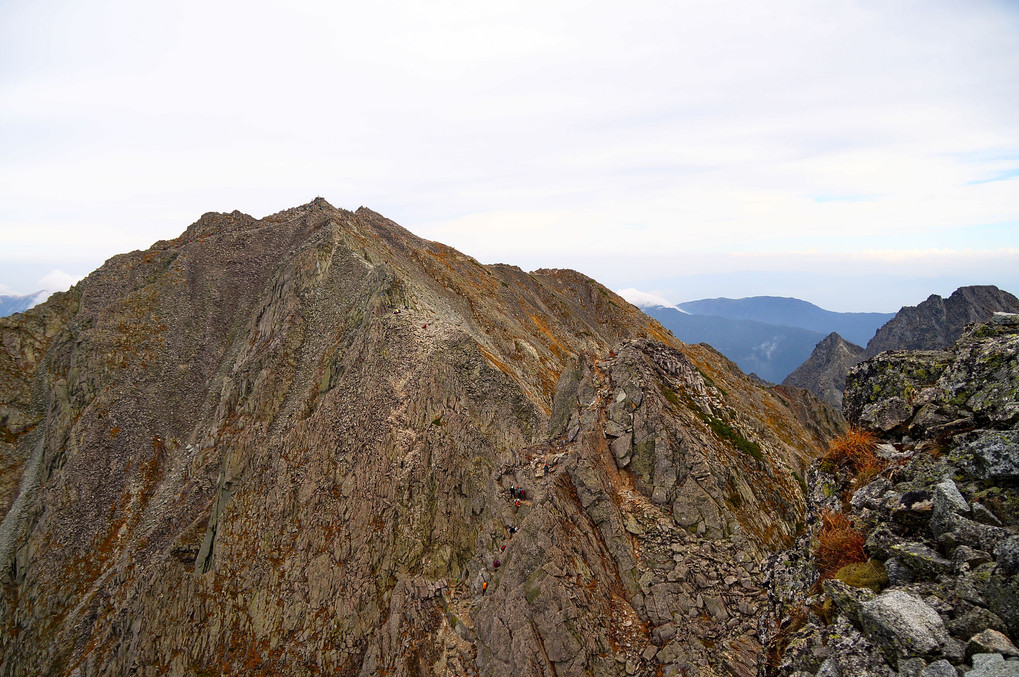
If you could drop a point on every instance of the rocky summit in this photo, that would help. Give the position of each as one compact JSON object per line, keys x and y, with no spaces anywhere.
{"x":314,"y":443}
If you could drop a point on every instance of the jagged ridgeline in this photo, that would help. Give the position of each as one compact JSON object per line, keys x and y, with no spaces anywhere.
{"x":287,"y":446}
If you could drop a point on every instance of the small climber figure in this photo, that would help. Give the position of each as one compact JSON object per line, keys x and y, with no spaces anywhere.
{"x":516,"y":503}
{"x":513,"y":491}
{"x":547,"y":469}
{"x":484,"y":587}
{"x":521,"y":492}
{"x":513,"y":530}
{"x":495,"y":564}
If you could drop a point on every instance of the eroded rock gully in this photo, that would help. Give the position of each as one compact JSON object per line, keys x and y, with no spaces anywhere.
{"x":286,"y":446}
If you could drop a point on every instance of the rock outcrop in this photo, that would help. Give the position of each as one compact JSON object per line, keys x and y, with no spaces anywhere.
{"x":940,"y":523}
{"x":296,"y":445}
{"x":824,"y":373}
{"x":935,"y":324}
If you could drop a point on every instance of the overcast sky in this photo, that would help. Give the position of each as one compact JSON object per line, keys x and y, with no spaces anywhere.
{"x":859,"y":155}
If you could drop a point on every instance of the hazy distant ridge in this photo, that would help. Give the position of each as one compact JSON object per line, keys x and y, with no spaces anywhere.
{"x":16,"y":304}
{"x":856,"y":327}
{"x":766,"y":335}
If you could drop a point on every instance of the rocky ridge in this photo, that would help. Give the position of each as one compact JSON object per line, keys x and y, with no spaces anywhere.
{"x":934,"y":324}
{"x":939,"y":593}
{"x":287,"y":446}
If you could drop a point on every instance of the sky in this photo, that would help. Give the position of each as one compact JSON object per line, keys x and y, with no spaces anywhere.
{"x":860,"y":155}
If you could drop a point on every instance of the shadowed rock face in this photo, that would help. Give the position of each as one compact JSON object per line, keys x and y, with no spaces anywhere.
{"x":229,"y":454}
{"x":936,"y":323}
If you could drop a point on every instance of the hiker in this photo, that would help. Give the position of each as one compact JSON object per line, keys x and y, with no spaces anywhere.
{"x":513,"y":530}
{"x":495,"y":564}
{"x":520,"y":492}
{"x":516,"y":503}
{"x":484,"y":587}
{"x":547,"y":469}
{"x":513,"y":491}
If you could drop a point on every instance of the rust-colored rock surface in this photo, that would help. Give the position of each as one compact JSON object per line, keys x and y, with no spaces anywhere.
{"x":287,"y":446}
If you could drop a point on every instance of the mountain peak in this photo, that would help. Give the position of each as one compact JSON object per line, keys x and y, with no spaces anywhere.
{"x":824,"y":372}
{"x":938,"y":322}
{"x":301,"y":440}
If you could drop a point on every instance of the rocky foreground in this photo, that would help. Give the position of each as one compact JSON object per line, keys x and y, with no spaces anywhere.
{"x":292,"y":445}
{"x":932,"y":588}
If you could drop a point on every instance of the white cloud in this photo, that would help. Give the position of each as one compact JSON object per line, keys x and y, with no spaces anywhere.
{"x":643,"y":299}
{"x":58,"y":280}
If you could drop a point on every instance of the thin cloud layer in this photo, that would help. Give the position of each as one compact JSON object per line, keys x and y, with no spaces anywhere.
{"x":683,"y":132}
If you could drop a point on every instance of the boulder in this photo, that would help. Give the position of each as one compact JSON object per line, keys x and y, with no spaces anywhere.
{"x":975,"y":621}
{"x":848,"y":599}
{"x":996,"y":455}
{"x":990,"y":641}
{"x":939,"y":668}
{"x":948,"y":499}
{"x":925,"y":562}
{"x":993,"y":665}
{"x":903,"y":626}
{"x":1006,"y":553}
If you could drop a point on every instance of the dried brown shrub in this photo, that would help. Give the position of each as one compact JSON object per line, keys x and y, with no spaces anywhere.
{"x":838,"y":544}
{"x":855,"y":450}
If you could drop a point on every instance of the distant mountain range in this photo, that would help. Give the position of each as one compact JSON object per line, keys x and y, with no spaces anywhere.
{"x":765,"y":335}
{"x":789,"y":312}
{"x":16,"y":304}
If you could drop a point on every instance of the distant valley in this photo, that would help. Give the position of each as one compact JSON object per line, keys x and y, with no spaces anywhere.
{"x":765,"y":335}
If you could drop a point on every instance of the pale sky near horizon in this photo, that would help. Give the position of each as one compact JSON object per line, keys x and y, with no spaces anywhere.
{"x":858,"y":155}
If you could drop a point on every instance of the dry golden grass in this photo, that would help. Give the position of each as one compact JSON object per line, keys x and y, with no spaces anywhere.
{"x":855,"y":451}
{"x":838,"y":544}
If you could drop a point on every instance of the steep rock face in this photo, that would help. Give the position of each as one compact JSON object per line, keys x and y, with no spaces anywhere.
{"x":285,"y":446}
{"x":940,"y":522}
{"x":936,"y":323}
{"x":824,"y":373}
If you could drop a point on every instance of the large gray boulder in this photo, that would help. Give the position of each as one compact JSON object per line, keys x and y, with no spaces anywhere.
{"x":903,"y":626}
{"x":996,"y":455}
